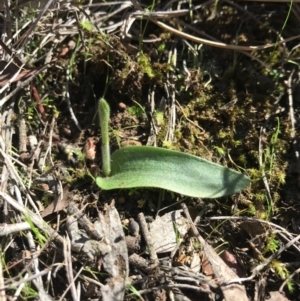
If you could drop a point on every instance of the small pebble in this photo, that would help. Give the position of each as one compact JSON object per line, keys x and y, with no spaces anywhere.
{"x":133,"y":227}
{"x":125,"y":222}
{"x":122,"y":105}
{"x":71,"y":44}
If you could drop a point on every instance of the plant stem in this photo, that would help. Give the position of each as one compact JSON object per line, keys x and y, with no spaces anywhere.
{"x":104,"y":112}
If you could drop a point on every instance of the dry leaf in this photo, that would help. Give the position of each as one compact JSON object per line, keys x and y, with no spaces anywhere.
{"x":277,"y":296}
{"x":90,"y":149}
{"x":165,"y":230}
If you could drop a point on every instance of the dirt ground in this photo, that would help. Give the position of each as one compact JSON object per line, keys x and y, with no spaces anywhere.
{"x":215,"y":79}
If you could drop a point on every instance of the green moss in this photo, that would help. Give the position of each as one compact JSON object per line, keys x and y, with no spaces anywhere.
{"x":242,"y":160}
{"x":280,"y":269}
{"x":145,"y":64}
{"x":159,"y":118}
{"x":272,"y":244}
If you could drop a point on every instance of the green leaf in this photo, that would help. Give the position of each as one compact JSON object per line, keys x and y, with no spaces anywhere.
{"x":142,"y":166}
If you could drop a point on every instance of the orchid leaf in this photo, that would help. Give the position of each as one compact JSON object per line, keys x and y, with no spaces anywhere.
{"x":143,"y":166}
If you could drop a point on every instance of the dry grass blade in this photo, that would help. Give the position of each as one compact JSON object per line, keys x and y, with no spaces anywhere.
{"x":69,"y":270}
{"x":2,"y":292}
{"x":37,"y":220}
{"x":12,"y":73}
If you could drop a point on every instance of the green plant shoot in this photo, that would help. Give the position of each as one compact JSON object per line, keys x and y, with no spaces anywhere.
{"x":142,"y":166}
{"x":104,"y":112}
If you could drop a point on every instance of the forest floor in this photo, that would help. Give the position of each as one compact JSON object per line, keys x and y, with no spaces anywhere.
{"x":215,"y":79}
